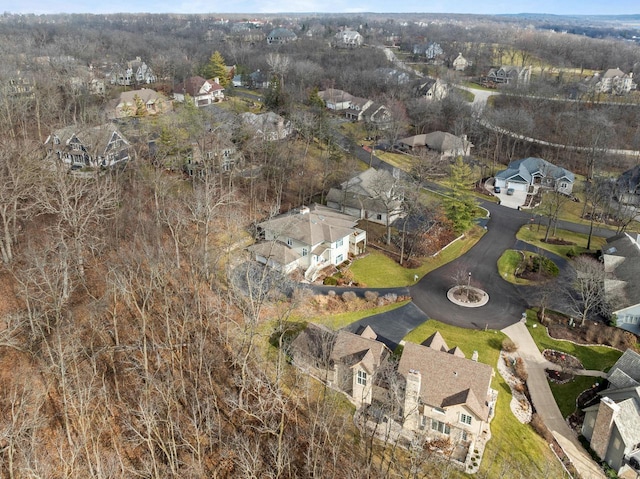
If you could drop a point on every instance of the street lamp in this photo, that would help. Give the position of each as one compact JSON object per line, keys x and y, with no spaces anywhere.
{"x":468,"y":285}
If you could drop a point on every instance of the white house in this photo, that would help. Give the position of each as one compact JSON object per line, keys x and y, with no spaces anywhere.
{"x":521,"y":174}
{"x":203,"y":92}
{"x":509,"y":75}
{"x":280,"y":36}
{"x":460,"y":63}
{"x":615,"y":81}
{"x":335,"y":99}
{"x":310,"y":239}
{"x":134,"y":72}
{"x":348,"y":39}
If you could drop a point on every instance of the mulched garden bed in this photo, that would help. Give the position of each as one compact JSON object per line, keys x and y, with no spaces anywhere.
{"x":566,"y":361}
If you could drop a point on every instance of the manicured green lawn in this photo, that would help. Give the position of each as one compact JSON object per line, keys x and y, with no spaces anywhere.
{"x":377,"y":270}
{"x":513,"y":446}
{"x":566,"y":394}
{"x":507,"y":264}
{"x":592,"y":357}
{"x":338,"y":321}
{"x":535,"y":236}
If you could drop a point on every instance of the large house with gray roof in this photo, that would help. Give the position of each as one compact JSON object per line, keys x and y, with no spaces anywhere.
{"x":612,"y":426}
{"x":309,"y":239}
{"x":621,"y":258}
{"x":535,"y":172}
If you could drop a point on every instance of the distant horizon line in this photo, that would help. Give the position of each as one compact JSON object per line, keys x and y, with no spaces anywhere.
{"x":333,"y":13}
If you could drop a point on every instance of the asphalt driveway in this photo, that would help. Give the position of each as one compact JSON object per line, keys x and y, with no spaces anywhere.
{"x":392,"y":326}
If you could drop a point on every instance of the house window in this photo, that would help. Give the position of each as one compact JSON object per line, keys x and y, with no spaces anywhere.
{"x":465,"y":418}
{"x":289,"y":242}
{"x":439,"y":410}
{"x":305,"y":251}
{"x":423,"y":422}
{"x":362,"y":378}
{"x":563,"y":185}
{"x":464,"y":435}
{"x":339,"y":243}
{"x":379,"y":217}
{"x":339,"y":259}
{"x":440,"y":427}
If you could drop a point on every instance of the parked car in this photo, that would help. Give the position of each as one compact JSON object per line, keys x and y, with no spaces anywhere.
{"x":496,"y":189}
{"x":510,"y":191}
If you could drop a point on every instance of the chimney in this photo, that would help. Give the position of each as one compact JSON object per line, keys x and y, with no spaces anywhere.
{"x":217,"y":80}
{"x":601,"y":435}
{"x":412,"y":399}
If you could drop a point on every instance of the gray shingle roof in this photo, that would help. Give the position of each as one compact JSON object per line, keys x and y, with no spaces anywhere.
{"x":621,"y":256}
{"x":628,"y":421}
{"x":527,"y":167}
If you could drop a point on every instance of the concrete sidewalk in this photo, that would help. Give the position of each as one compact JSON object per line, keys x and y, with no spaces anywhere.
{"x":545,"y":404}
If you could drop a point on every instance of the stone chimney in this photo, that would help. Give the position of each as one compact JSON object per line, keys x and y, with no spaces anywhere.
{"x":607,"y":412}
{"x":412,"y":399}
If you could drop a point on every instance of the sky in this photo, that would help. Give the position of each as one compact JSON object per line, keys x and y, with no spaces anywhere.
{"x":558,"y":7}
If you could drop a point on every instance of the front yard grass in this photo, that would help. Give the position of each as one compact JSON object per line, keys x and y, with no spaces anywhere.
{"x":513,"y":445}
{"x":534,"y":234}
{"x":507,"y":264}
{"x":600,"y":358}
{"x":377,"y":270}
{"x":566,"y":394}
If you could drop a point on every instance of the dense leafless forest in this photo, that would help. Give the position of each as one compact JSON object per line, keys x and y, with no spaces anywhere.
{"x":127,"y":349}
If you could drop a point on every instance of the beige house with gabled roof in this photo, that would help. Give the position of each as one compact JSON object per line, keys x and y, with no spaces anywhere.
{"x":139,"y":103}
{"x":446,"y":394}
{"x":346,"y":361}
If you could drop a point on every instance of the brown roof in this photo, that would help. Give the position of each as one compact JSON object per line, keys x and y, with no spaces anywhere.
{"x":192,"y":86}
{"x":352,"y":349}
{"x":448,"y":379}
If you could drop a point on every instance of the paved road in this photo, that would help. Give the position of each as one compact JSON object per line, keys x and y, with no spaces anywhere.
{"x":545,"y":404}
{"x":392,"y":326}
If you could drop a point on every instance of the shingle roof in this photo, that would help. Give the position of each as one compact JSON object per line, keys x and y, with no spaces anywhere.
{"x":360,"y":192}
{"x":275,"y":250}
{"x":192,"y":86}
{"x":527,"y":167}
{"x":629,"y":363}
{"x":437,"y":140}
{"x":614,"y":72}
{"x":94,"y":139}
{"x":318,"y":225}
{"x":448,"y":379}
{"x":621,"y":256}
{"x":351,"y":349}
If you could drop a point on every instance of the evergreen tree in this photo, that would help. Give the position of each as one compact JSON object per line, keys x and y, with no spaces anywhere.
{"x":315,"y":100}
{"x":459,"y":204}
{"x":141,"y":108}
{"x":216,"y":69}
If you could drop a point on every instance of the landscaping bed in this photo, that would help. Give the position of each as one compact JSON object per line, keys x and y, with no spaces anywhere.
{"x":592,"y":332}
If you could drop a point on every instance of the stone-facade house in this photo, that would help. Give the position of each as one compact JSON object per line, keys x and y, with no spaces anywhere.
{"x":309,"y":239}
{"x":621,"y":258}
{"x":612,"y":426}
{"x":90,"y":147}
{"x":373,"y":195}
{"x":446,"y":395}
{"x":437,"y":392}
{"x":536,"y":172}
